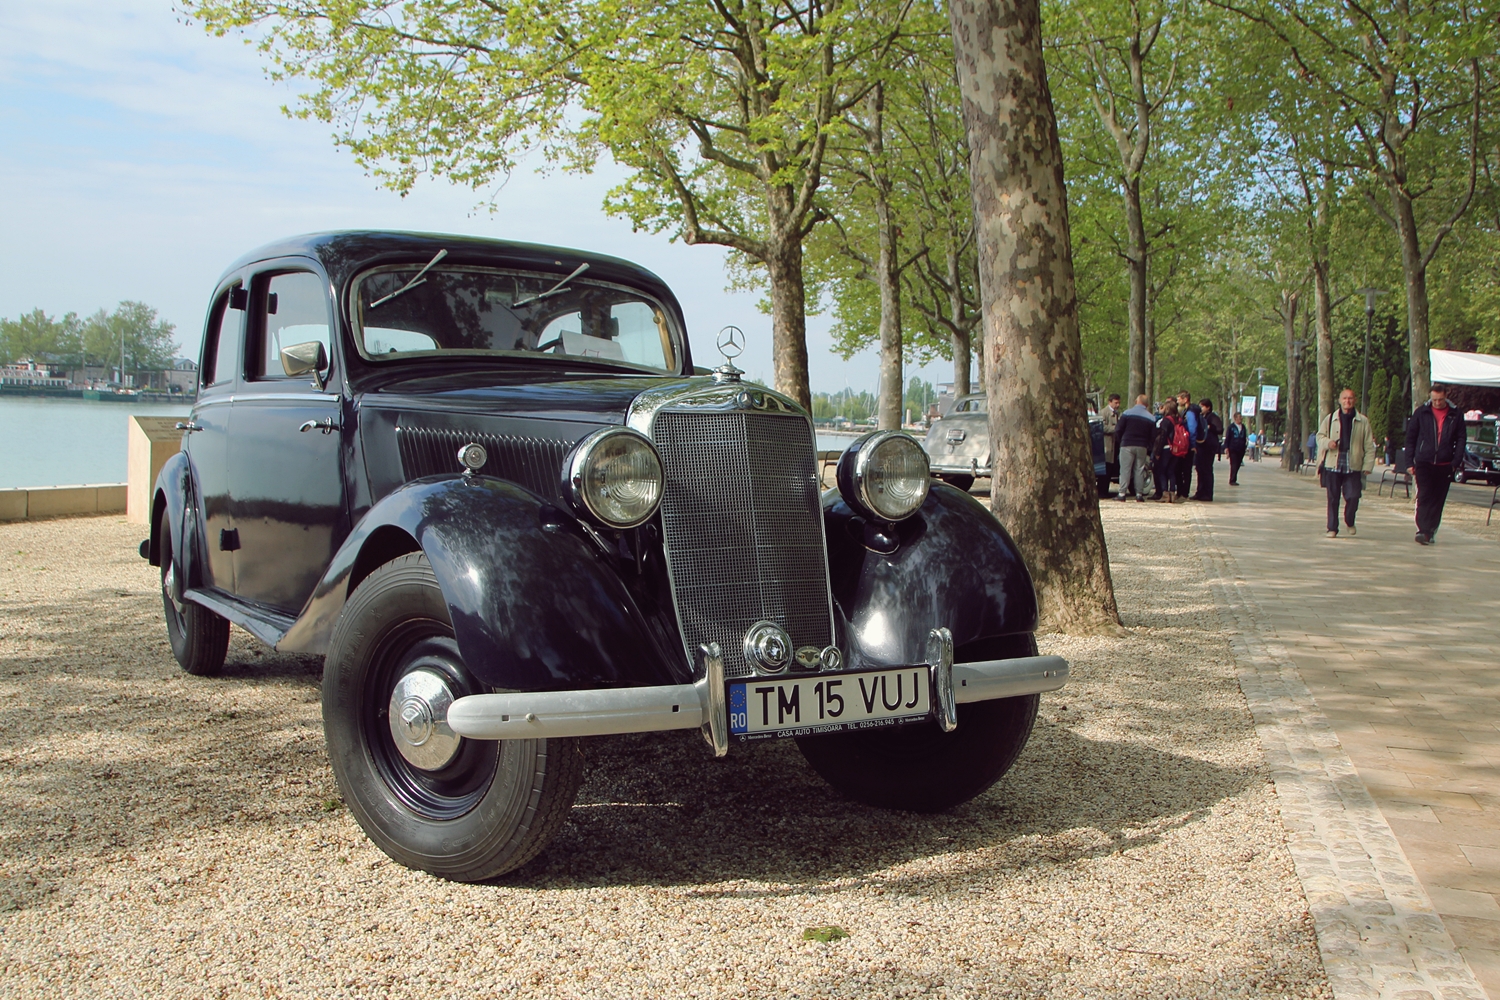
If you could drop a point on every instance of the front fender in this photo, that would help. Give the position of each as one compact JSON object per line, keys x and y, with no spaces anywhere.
{"x":951,"y":564}
{"x":535,"y":605}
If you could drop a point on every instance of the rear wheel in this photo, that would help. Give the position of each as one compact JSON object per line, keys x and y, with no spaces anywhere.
{"x":200,"y":638}
{"x":963,"y":482}
{"x":457,"y":808}
{"x":919,"y":767}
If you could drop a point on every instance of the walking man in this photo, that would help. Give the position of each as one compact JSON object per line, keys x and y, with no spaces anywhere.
{"x":1435,"y":443}
{"x":1210,"y":427}
{"x":1346,"y":448}
{"x":1236,"y":440}
{"x":1133,"y":434}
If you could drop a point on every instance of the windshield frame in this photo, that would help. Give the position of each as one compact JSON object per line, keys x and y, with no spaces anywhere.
{"x":356,"y":322}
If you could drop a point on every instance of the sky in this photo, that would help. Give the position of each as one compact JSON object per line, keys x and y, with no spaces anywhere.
{"x":139,"y":156}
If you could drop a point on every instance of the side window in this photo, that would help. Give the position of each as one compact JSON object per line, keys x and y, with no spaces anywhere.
{"x":291,"y":309}
{"x":221,"y":349}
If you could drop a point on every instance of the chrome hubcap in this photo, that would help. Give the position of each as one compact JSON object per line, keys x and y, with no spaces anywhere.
{"x":419,"y":719}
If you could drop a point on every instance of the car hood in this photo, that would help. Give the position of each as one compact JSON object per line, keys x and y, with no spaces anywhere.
{"x":604,"y":400}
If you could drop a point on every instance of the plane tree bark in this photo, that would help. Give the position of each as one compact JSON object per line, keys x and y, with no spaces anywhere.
{"x":1044,"y":488}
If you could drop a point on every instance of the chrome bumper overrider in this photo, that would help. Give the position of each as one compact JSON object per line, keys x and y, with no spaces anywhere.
{"x":610,"y":711}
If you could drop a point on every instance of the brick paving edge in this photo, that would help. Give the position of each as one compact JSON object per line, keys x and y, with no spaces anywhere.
{"x":1378,"y":932}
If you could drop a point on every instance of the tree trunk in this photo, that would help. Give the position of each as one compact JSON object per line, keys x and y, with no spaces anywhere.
{"x":961,"y":335}
{"x":1291,"y":449}
{"x":788,"y":318}
{"x":1135,"y":228}
{"x":1150,"y":387}
{"x":891,"y":386}
{"x":1415,"y":273}
{"x":1044,"y":485}
{"x":1323,"y":310}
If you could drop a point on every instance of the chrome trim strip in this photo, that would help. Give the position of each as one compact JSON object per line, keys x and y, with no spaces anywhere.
{"x":986,"y":680}
{"x":556,"y":714}
{"x":940,"y":657}
{"x":522,"y":715}
{"x":287,"y":397}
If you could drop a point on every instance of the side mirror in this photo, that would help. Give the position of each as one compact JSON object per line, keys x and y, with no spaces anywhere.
{"x":300,"y":359}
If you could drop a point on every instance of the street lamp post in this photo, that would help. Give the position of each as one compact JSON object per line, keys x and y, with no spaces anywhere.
{"x":1370,"y":295}
{"x":1260,"y":416}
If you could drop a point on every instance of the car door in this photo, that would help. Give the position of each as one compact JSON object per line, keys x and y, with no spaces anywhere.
{"x":207,"y":443}
{"x":286,"y":472}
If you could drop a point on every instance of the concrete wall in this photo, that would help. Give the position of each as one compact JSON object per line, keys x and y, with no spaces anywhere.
{"x":153,"y":440}
{"x":62,"y":501}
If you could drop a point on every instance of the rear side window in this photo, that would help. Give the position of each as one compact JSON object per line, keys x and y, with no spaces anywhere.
{"x":221,"y":349}
{"x":292,"y":309}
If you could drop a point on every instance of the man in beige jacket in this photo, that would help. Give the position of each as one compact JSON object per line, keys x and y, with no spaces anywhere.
{"x":1346,"y":449}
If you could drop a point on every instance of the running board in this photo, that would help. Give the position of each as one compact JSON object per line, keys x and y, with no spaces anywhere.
{"x":265,"y":624}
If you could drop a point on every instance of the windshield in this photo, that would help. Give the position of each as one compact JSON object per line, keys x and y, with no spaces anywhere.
{"x":486,"y":311}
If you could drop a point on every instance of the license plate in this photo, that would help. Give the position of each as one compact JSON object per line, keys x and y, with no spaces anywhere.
{"x":826,"y":703}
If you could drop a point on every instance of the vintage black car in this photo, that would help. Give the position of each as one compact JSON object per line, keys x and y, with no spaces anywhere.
{"x":1481,"y":464}
{"x":486,"y":482}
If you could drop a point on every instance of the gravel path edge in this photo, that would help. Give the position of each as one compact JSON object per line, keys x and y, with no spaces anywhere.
{"x":1378,"y":932}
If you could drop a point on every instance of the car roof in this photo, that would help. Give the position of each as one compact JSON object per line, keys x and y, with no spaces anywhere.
{"x":345,"y":253}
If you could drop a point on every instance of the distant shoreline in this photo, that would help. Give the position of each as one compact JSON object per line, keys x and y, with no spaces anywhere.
{"x":92,"y":395}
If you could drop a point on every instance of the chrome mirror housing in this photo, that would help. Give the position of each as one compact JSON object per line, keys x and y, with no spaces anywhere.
{"x":300,"y":359}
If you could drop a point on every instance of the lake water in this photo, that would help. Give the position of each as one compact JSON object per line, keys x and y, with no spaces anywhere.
{"x":65,"y":442}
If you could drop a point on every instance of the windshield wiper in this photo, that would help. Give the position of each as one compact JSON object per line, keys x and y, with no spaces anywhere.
{"x":413,"y":283}
{"x":551,"y":291}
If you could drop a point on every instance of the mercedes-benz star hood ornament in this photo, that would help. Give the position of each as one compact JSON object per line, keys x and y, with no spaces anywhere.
{"x":731,"y":345}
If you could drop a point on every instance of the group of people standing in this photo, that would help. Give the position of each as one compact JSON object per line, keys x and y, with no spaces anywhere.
{"x":1179,"y":439}
{"x":1182,"y":438}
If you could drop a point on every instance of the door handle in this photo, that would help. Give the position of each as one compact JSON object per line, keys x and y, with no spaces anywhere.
{"x":188,"y":427}
{"x":326,"y":425}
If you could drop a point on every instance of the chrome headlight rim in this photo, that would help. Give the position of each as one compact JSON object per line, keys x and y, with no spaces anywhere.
{"x":854,"y":473}
{"x":579,"y":462}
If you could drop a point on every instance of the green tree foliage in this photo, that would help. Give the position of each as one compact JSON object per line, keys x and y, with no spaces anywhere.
{"x":148,"y":341}
{"x":722,"y":111}
{"x":38,"y":337}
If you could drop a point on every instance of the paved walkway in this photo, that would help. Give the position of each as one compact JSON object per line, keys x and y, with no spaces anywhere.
{"x":1399,"y":648}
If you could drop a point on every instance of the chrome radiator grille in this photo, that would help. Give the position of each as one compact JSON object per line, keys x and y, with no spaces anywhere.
{"x":743,"y":528}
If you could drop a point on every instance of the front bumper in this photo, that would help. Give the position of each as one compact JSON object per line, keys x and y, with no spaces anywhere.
{"x":612,"y":711}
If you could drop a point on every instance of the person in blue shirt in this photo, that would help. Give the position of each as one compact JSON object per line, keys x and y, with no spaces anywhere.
{"x":1194,"y":418}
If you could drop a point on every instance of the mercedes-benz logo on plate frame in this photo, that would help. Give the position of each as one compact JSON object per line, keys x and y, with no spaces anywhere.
{"x":731,"y":342}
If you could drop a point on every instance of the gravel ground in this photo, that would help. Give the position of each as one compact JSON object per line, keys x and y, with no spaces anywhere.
{"x":168,"y":836}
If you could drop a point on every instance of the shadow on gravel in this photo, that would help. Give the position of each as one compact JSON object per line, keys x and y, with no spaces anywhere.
{"x":660,"y":811}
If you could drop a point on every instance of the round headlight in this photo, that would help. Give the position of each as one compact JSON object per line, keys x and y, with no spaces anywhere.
{"x":885,"y":474}
{"x":615,"y":476}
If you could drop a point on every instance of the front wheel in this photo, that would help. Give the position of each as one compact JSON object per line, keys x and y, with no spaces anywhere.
{"x":199,"y":638}
{"x":920,"y":768}
{"x":457,"y":808}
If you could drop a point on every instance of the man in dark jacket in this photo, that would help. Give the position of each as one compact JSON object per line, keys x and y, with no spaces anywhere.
{"x":1206,"y":449}
{"x":1133,"y":434}
{"x":1236,"y":440}
{"x":1435,"y":443}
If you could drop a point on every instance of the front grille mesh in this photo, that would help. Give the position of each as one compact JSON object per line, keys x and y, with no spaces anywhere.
{"x":535,"y":463}
{"x":743,"y":528}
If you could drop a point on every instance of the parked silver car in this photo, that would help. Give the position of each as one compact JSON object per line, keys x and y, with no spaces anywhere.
{"x":958,"y":444}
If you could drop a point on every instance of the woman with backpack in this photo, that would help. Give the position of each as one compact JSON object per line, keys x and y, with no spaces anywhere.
{"x":1171,"y":434}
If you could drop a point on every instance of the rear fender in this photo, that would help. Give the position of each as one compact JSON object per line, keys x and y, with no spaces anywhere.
{"x":535,"y":605}
{"x":173,"y":495}
{"x":951,"y":564}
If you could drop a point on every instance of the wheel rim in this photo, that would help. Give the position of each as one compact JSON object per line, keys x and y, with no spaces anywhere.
{"x":168,"y":599}
{"x":418,"y":673}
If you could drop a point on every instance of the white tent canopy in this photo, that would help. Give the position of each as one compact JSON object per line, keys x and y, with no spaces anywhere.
{"x":1462,"y":368}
